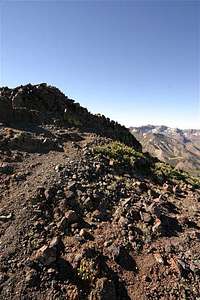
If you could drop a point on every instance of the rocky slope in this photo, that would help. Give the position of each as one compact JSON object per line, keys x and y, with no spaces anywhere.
{"x":180,"y":148}
{"x":42,"y":104}
{"x":85,"y":216}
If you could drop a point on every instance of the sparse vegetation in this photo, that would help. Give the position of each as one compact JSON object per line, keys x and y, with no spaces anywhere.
{"x":165,"y":172}
{"x":124,"y":156}
{"x":120,"y":154}
{"x":87,"y":270}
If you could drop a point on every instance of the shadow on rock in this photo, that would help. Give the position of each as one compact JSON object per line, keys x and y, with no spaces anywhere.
{"x":65,"y":270}
{"x":170,"y":226}
{"x":121,"y":291}
{"x":170,"y":207}
{"x":126,"y":261}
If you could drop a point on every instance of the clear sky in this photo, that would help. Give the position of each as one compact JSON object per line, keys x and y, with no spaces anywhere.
{"x":137,"y":62}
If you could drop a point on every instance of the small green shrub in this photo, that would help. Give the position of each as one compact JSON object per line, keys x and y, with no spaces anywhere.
{"x":167,"y":172}
{"x":87,"y":270}
{"x":119,"y":152}
{"x":125,"y":158}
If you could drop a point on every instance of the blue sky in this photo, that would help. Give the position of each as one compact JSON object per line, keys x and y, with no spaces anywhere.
{"x":137,"y":62}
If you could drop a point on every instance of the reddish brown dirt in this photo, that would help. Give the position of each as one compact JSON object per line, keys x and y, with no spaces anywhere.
{"x":166,"y":267}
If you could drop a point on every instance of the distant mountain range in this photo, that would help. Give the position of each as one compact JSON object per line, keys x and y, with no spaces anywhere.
{"x":180,"y":148}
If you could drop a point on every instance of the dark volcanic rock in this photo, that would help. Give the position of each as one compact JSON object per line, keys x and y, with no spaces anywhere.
{"x":46,"y":104}
{"x":6,"y":112}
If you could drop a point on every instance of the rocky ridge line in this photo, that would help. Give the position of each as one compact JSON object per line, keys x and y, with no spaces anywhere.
{"x":43,"y":104}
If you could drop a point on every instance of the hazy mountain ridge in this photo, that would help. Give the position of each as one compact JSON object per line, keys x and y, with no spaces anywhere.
{"x":179,"y":147}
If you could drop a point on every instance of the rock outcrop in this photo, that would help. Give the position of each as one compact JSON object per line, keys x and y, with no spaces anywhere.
{"x":43,"y":104}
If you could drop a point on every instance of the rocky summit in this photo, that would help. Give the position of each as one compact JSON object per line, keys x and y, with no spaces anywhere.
{"x":84,"y":213}
{"x":43,"y":104}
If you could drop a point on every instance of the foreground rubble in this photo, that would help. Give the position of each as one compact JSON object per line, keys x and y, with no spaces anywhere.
{"x":86,"y":217}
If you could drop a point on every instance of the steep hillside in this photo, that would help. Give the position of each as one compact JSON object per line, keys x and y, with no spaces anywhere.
{"x":180,"y":148}
{"x":85,"y":216}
